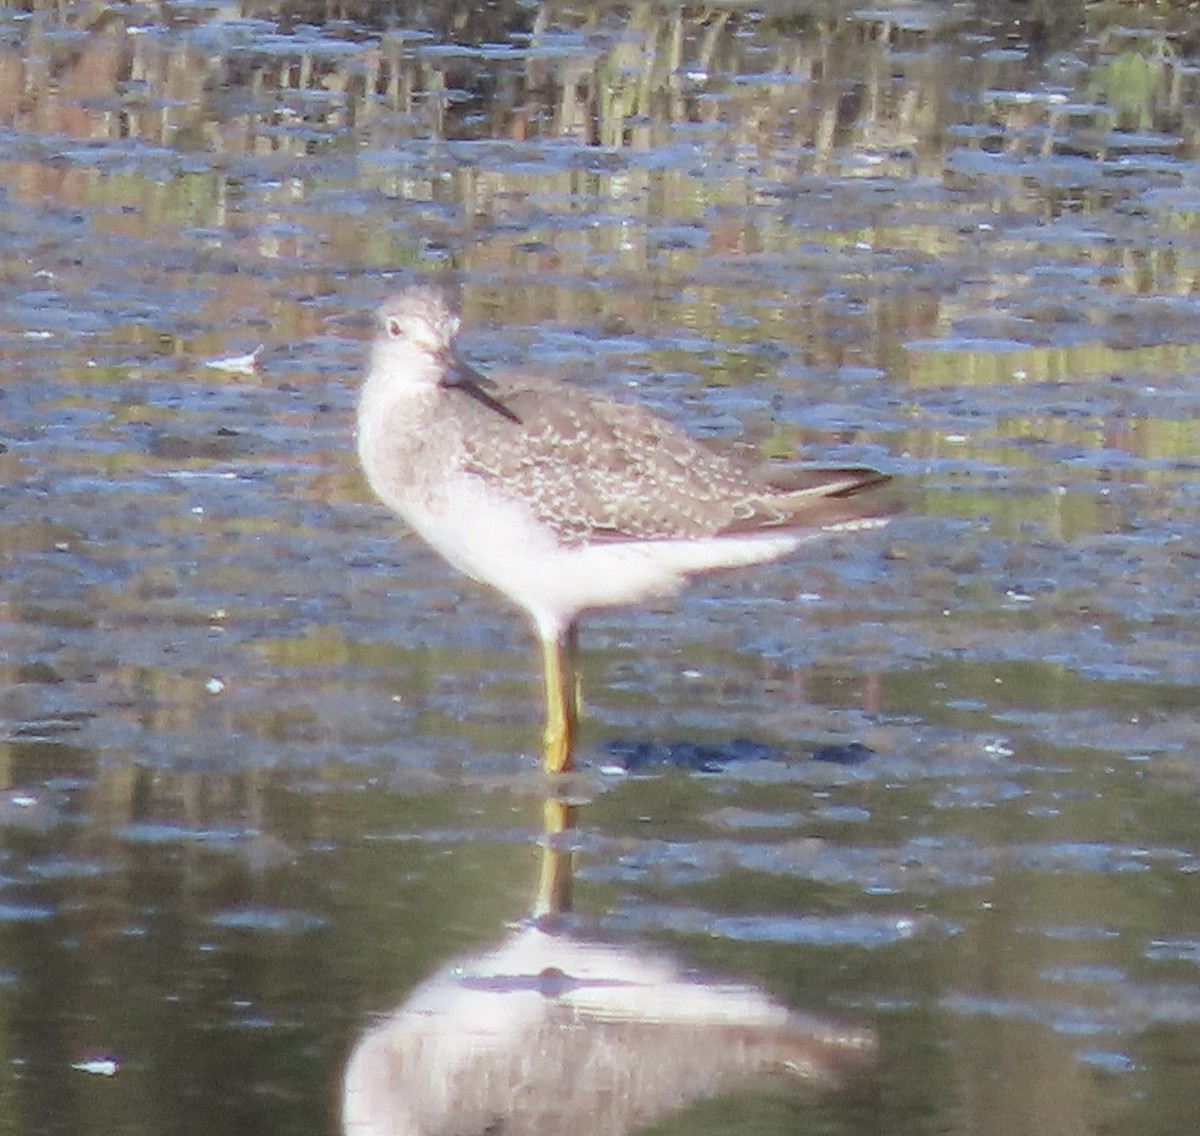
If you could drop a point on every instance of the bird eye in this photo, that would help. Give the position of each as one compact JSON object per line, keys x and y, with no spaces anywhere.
{"x":394,"y":329}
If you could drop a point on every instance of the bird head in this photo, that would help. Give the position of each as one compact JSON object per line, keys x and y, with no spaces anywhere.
{"x":413,"y":335}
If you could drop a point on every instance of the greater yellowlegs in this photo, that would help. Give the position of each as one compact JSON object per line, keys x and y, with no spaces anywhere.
{"x":562,"y":500}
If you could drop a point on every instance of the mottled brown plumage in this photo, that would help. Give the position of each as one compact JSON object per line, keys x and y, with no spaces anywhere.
{"x":560,"y":499}
{"x":592,"y":469}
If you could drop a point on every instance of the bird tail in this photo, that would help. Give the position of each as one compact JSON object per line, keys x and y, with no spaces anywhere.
{"x":832,"y":498}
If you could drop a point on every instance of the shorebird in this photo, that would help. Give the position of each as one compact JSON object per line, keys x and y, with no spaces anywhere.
{"x":565,"y":501}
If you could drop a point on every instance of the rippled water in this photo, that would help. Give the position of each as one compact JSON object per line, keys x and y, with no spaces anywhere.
{"x":928,"y":796}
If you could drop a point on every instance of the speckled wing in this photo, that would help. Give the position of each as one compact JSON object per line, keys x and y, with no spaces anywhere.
{"x":593,"y":469}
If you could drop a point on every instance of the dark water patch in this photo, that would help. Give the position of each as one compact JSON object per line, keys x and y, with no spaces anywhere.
{"x":850,"y":753}
{"x":642,"y":756}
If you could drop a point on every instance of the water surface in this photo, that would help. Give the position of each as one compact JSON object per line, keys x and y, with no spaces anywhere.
{"x":269,"y":765}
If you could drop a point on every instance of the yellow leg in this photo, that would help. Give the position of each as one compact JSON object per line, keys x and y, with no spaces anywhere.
{"x":576,"y":687}
{"x":554,"y":882}
{"x":558,"y":742}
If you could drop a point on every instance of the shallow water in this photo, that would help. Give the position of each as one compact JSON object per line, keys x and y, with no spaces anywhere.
{"x":269,"y":765}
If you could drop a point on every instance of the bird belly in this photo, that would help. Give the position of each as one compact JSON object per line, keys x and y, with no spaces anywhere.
{"x":500,"y":542}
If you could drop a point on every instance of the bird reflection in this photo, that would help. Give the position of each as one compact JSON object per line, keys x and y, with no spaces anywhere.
{"x":551,"y":1033}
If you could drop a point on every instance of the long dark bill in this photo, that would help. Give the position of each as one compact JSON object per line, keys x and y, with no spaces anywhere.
{"x":458,"y":375}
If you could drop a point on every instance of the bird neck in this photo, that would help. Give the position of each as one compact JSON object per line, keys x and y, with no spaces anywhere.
{"x":400,"y":387}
